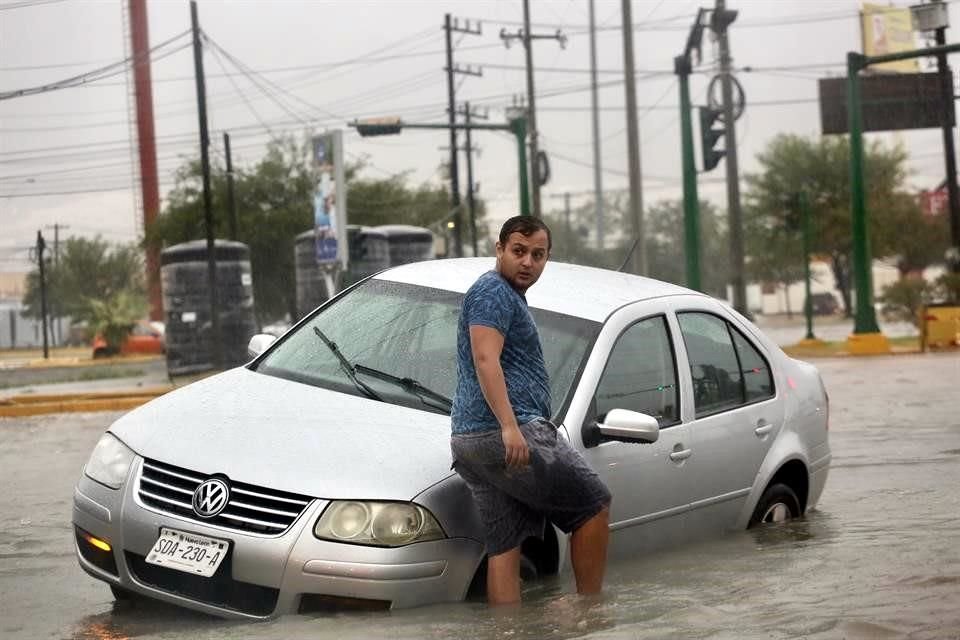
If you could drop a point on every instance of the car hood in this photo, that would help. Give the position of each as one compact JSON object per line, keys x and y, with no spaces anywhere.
{"x":294,"y":437}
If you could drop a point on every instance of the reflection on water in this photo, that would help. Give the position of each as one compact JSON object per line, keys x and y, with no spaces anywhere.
{"x":830,"y":575}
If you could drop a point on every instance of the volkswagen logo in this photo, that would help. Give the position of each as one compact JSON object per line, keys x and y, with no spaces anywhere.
{"x":210,"y":498}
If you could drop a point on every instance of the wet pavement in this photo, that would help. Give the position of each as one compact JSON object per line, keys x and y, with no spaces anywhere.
{"x":880,"y":558}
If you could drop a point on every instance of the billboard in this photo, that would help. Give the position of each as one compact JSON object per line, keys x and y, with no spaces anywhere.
{"x":886,"y":29}
{"x":889,"y":102}
{"x":330,"y":200}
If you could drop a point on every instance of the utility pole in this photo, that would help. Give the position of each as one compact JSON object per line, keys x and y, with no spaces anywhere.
{"x":949,"y":153}
{"x":41,"y":247}
{"x":566,"y":221}
{"x":720,"y":21}
{"x":595,"y":109}
{"x":471,"y":190}
{"x":683,"y":67}
{"x":143,"y":86}
{"x":638,"y":254}
{"x":56,"y":332}
{"x":527,"y":38}
{"x":217,"y":346}
{"x":450,"y":26}
{"x":231,"y":196}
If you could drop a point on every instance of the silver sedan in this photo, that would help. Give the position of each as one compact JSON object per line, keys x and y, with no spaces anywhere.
{"x":318,"y":475}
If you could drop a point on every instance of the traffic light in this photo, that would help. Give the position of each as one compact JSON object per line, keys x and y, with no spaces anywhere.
{"x":709,"y":137}
{"x":378,"y":126}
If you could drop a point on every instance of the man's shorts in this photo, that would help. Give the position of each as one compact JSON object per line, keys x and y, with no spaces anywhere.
{"x":557,"y":484}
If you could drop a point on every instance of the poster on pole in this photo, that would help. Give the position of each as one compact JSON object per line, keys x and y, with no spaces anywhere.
{"x":330,"y":200}
{"x":885,"y":30}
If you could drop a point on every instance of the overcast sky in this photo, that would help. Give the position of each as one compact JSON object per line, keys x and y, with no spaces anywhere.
{"x":75,"y":143}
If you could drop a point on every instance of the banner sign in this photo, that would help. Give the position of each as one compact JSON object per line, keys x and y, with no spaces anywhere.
{"x":888,"y":30}
{"x":329,"y":200}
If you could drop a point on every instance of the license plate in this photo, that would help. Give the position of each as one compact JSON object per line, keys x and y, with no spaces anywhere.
{"x":188,"y":552}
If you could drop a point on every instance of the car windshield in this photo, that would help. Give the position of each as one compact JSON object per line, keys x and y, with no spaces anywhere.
{"x":400,"y":341}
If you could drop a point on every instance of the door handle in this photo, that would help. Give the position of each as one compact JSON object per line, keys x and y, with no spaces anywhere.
{"x":680,"y":455}
{"x":763,"y":428}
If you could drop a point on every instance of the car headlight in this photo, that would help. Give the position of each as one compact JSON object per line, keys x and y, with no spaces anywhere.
{"x":383,"y":524}
{"x":109,"y":462}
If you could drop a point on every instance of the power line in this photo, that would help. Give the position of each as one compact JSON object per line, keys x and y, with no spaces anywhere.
{"x":107,"y":71}
{"x":26,"y":4}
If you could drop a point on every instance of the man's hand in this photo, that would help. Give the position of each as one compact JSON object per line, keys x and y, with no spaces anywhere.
{"x":518,"y":455}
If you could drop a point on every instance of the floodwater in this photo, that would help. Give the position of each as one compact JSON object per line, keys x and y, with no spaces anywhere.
{"x":879,"y":558}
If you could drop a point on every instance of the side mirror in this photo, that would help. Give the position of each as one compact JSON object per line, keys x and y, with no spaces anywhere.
{"x":622,"y":425}
{"x":259,"y":343}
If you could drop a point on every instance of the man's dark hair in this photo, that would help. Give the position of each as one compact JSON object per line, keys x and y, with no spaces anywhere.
{"x":525,"y":226}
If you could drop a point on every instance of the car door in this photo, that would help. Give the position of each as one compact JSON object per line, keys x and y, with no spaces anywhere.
{"x":648,"y":481}
{"x":737,"y":416}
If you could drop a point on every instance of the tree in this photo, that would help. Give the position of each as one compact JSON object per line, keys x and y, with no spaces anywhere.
{"x":666,"y":246}
{"x":821,"y":167}
{"x":275,"y":204}
{"x":917,"y":240}
{"x":95,"y":282}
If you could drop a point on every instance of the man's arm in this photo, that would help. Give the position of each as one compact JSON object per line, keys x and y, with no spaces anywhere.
{"x":486,"y":345}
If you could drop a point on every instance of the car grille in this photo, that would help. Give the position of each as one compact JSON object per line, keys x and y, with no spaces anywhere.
{"x":251,"y":509}
{"x":219,"y":590}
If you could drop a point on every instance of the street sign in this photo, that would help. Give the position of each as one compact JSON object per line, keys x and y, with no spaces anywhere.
{"x":891,"y":102}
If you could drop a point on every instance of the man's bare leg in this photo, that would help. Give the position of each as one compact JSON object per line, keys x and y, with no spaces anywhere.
{"x":588,"y":552}
{"x":503,"y":577}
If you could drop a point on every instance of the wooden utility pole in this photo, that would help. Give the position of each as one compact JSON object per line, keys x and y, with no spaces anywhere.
{"x":639,"y":258}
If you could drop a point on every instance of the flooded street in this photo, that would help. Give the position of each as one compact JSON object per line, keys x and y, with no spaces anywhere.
{"x":879,"y":558}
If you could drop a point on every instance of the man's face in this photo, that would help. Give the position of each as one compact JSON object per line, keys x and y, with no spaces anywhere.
{"x":523,"y":258}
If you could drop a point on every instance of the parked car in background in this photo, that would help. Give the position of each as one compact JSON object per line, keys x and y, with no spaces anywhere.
{"x":146,"y":337}
{"x":824,"y":304}
{"x":318,"y":475}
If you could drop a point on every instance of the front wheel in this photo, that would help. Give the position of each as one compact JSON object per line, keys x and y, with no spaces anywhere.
{"x":778,"y":503}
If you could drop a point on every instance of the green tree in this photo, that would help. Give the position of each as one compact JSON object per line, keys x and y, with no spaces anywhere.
{"x":917,"y":240}
{"x":95,"y":282}
{"x":821,"y":166}
{"x":666,"y":246}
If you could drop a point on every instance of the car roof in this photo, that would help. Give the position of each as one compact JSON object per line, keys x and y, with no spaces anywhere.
{"x":571,"y":289}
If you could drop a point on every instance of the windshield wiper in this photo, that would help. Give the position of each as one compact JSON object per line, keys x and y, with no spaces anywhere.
{"x":348,"y":368}
{"x":411,"y":386}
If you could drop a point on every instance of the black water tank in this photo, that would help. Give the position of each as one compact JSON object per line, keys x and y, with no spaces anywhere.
{"x":186,"y":304}
{"x":310,"y":289}
{"x":369,"y":252}
{"x":408,"y":243}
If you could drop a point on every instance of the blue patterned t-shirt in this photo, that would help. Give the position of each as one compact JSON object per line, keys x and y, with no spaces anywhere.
{"x":492,"y":302}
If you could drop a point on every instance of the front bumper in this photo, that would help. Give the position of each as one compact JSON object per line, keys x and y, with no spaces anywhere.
{"x":264,"y":576}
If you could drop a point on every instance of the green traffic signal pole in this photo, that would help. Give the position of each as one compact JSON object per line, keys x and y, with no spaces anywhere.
{"x":516,"y":126}
{"x":805,"y":221}
{"x":691,"y":202}
{"x":865,"y":318}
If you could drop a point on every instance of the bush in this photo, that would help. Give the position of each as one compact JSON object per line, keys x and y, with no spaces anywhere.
{"x":947,"y":288}
{"x":903,"y":299}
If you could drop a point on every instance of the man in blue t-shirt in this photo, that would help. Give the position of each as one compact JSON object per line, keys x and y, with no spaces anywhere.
{"x":520,"y":470}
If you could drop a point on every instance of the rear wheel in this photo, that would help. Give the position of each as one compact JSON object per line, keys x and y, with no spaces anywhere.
{"x":778,"y":503}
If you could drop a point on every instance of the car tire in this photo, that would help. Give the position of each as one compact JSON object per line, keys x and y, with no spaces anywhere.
{"x":778,"y":503}
{"x":99,"y":354}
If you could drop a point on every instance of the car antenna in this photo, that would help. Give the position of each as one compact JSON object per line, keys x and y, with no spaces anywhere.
{"x":629,"y":253}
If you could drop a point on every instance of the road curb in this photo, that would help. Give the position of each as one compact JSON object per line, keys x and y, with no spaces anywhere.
{"x":40,"y":404}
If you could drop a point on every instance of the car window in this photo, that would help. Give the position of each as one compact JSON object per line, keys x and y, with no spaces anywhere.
{"x":140,"y":330}
{"x":411,"y":332}
{"x":641,"y":374}
{"x":757,"y":379}
{"x":717,"y":381}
